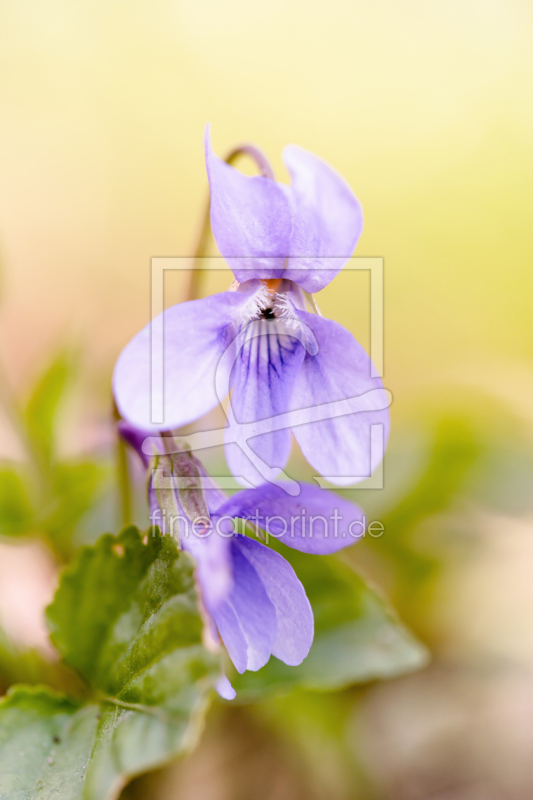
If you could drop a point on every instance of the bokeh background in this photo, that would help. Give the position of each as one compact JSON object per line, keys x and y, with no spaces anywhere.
{"x":426,"y":109}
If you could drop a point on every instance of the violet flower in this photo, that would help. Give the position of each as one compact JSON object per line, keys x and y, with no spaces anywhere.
{"x":251,"y":594}
{"x":280,"y":242}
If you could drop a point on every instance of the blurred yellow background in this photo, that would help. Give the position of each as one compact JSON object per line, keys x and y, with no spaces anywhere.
{"x":426,"y":109}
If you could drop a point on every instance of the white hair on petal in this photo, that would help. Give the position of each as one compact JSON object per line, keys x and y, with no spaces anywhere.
{"x":284,"y":309}
{"x":283,"y":320}
{"x":260,"y":300}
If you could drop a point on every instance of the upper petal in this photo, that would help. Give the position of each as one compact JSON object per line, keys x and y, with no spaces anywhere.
{"x":339,"y":445}
{"x":315,"y":521}
{"x":262,"y":382}
{"x":327,"y":220}
{"x":250,"y":219}
{"x":295,"y":624}
{"x":194,"y":339}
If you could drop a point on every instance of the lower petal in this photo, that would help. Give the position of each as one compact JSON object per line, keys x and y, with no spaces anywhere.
{"x":262,"y":382}
{"x":295,"y":624}
{"x":337,"y":401}
{"x":225,"y":689}
{"x":213,"y":564}
{"x":232,"y":634}
{"x":247,"y":619}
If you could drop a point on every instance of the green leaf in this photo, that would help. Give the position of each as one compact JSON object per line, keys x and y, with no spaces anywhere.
{"x":16,"y":513}
{"x":45,"y":744}
{"x":126,"y":617}
{"x":26,"y":665}
{"x":42,"y":408}
{"x":52,"y":746}
{"x":357,"y":636}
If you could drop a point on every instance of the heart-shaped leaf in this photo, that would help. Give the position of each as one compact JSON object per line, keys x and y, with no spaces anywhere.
{"x":126,"y":617}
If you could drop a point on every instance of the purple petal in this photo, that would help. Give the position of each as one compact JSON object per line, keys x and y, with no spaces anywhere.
{"x":262,"y":382}
{"x":247,"y":620}
{"x":339,"y":447}
{"x":316,"y":521}
{"x":327,"y":220}
{"x":225,"y":689}
{"x":210,"y":549}
{"x":295,"y":624}
{"x":213,"y":494}
{"x":135,"y":438}
{"x":232,"y":634}
{"x":156,"y":517}
{"x":212,"y":554}
{"x":195,"y":337}
{"x":250,"y":219}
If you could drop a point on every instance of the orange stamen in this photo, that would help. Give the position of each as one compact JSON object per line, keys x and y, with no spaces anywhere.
{"x":272,"y":284}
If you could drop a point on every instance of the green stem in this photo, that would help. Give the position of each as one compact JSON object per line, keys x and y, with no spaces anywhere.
{"x":195,"y":282}
{"x":123,"y":476}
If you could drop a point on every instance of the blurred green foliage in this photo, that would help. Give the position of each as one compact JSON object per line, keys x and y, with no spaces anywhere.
{"x":16,"y":512}
{"x":40,"y":413}
{"x":454,"y":459}
{"x":27,"y":665}
{"x":48,"y":495}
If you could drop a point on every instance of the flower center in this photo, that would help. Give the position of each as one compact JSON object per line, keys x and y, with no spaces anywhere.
{"x":270,"y":304}
{"x":270,"y":300}
{"x":272,"y":284}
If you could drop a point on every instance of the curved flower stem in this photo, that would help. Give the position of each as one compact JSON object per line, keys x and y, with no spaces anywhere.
{"x":263,"y":165}
{"x":262,"y":162}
